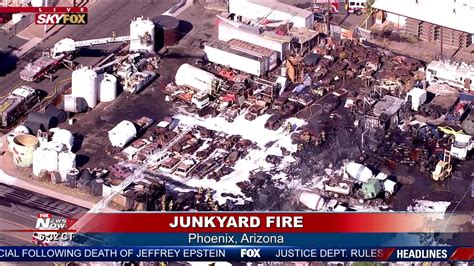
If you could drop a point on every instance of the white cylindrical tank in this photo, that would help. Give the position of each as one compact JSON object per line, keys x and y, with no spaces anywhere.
{"x":188,"y":75}
{"x":359,"y":171}
{"x":54,"y":146}
{"x":63,"y":137}
{"x":84,"y":84}
{"x":142,"y":35}
{"x":108,"y":88}
{"x":21,"y":129}
{"x":10,"y":138}
{"x":45,"y":159}
{"x":66,"y":162}
{"x":122,"y":133}
{"x":311,"y":200}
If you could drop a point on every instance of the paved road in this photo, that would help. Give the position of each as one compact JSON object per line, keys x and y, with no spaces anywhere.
{"x":104,"y":17}
{"x":19,"y":209}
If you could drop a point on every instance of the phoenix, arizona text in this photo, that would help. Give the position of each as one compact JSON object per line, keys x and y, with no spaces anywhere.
{"x":236,"y":222}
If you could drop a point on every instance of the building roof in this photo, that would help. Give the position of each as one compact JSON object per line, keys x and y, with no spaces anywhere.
{"x":389,"y":106}
{"x":224,"y":46}
{"x":289,"y":9}
{"x":461,"y":69}
{"x":303,"y":35}
{"x":250,"y":48}
{"x":453,"y":14}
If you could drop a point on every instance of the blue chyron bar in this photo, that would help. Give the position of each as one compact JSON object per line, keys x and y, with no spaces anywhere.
{"x":234,"y":253}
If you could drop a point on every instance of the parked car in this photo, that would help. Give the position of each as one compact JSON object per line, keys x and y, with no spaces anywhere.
{"x":168,"y":122}
{"x":120,"y":171}
{"x":184,"y":168}
{"x":169,"y":165}
{"x":143,"y":123}
{"x":274,"y":122}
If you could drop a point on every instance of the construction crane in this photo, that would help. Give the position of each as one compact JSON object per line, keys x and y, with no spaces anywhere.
{"x":68,"y":45}
{"x":136,"y":176}
{"x":61,"y":53}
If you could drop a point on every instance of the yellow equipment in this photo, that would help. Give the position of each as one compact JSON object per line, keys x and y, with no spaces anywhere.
{"x":450,"y":131}
{"x":443,"y":168}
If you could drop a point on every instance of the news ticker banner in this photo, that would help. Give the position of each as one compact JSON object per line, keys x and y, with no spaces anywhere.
{"x":228,"y":253}
{"x":301,"y":236}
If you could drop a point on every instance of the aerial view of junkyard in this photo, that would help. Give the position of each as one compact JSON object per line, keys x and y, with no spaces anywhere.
{"x":238,"y":105}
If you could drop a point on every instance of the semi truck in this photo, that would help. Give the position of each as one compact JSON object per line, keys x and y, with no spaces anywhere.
{"x":198,"y":79}
{"x":193,"y":85}
{"x":191,"y":96}
{"x":17,"y":103}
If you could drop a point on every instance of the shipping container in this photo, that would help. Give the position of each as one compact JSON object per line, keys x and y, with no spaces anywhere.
{"x":238,"y":58}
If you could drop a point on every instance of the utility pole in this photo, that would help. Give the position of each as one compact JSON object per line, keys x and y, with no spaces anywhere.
{"x":441,"y":40}
{"x":328,"y":18}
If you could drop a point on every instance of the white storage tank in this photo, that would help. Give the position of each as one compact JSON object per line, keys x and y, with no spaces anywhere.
{"x":44,"y":159}
{"x":188,"y":75}
{"x":74,"y":104}
{"x":21,"y":129}
{"x":66,"y":162}
{"x":108,"y":88}
{"x":84,"y":84}
{"x":63,"y":137}
{"x":142,"y":35}
{"x":122,"y":134}
{"x":311,"y":200}
{"x":358,"y":171}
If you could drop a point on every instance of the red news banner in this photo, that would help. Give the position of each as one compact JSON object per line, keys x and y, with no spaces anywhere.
{"x":249,"y":222}
{"x":57,"y":9}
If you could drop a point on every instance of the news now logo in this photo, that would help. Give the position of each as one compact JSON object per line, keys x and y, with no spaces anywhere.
{"x":45,"y":221}
{"x":63,"y":19}
{"x":250,"y":253}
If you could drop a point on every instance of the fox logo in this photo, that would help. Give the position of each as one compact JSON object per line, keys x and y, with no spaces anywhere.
{"x":55,"y":18}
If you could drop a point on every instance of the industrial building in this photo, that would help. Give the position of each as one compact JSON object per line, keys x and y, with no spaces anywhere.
{"x":448,"y":22}
{"x":273,"y":11}
{"x":295,"y":39}
{"x":228,"y":30}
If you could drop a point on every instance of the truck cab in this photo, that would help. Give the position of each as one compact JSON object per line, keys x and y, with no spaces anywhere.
{"x":357,"y":7}
{"x":461,"y":146}
{"x":200,"y":100}
{"x":25,"y":92}
{"x":17,"y":103}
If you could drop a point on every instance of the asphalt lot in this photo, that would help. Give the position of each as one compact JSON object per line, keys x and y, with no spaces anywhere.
{"x":19,"y":209}
{"x":104,"y":17}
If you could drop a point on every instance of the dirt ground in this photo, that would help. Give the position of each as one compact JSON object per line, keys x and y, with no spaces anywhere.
{"x":198,"y":25}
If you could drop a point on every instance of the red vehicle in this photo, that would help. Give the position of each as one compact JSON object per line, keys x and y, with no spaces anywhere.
{"x":357,"y":7}
{"x":5,"y":17}
{"x":321,"y":6}
{"x":42,"y":67}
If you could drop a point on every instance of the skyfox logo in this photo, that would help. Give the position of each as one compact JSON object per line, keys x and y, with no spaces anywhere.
{"x":50,"y":19}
